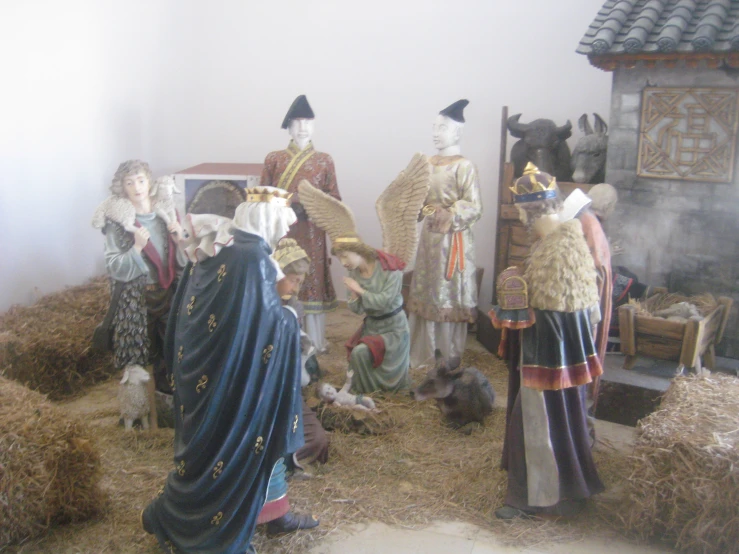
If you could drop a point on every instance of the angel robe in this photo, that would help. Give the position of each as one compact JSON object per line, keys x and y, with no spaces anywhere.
{"x":379,"y":351}
{"x":443,"y":292}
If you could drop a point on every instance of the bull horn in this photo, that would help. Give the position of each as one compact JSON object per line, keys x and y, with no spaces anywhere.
{"x":517,"y":129}
{"x":584,"y":124}
{"x":601,"y":127}
{"x":565,"y":131}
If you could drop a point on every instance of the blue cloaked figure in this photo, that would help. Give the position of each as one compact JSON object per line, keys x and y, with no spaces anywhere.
{"x":234,"y":356}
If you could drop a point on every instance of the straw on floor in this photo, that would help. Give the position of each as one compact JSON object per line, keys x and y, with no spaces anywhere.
{"x":684,"y":483}
{"x":49,"y":466}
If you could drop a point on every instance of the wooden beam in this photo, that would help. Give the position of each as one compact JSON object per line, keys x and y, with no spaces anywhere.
{"x":611,"y":62}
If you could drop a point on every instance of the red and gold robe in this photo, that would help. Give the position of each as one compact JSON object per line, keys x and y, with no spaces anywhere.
{"x":285,"y":169}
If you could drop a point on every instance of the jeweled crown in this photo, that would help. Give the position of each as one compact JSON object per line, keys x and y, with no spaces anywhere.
{"x":534,"y":185}
{"x":268,"y":194}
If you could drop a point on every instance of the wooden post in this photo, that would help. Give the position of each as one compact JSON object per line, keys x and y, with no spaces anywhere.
{"x":726,"y":302}
{"x":689,"y":354}
{"x":501,"y":186}
{"x":710,"y":357}
{"x":151,"y":388}
{"x":627,"y":330}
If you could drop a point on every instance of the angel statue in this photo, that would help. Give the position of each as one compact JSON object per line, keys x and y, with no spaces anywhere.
{"x":378,"y":353}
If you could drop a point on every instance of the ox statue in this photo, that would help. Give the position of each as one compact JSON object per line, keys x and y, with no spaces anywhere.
{"x":543,"y":144}
{"x":589,"y":156}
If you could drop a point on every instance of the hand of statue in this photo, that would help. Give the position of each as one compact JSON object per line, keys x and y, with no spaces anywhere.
{"x":299,"y":211}
{"x":176,"y":229}
{"x":140,"y":238}
{"x":353,"y":286}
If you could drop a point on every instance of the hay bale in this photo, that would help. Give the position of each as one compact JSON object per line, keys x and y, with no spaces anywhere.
{"x":684,"y":486}
{"x":47,"y":346}
{"x":49,"y":467}
{"x":347,"y":420}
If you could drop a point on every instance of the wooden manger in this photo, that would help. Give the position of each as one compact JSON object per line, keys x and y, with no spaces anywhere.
{"x":686,"y":342}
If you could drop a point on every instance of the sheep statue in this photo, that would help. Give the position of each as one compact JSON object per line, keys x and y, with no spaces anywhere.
{"x":163,"y":201}
{"x":133,"y":396}
{"x":120,"y":210}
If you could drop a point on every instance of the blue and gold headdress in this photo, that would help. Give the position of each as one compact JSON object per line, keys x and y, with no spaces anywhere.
{"x":534,"y":185}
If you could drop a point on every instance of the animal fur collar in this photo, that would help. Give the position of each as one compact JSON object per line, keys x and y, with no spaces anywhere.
{"x":561,"y":273}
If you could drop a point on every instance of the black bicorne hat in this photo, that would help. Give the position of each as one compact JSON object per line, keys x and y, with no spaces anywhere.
{"x":455,"y":111}
{"x":299,"y":108}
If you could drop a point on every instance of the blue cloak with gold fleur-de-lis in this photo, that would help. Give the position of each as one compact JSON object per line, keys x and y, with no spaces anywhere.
{"x":234,"y":356}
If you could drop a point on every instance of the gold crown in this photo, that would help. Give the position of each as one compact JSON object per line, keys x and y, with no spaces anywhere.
{"x":534,"y":185}
{"x":268,"y":194}
{"x":288,"y":251}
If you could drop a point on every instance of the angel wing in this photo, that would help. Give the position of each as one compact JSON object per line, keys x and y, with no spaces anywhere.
{"x":325,"y":211}
{"x":398,"y":207}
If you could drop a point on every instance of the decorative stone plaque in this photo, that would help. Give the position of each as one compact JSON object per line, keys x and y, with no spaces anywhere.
{"x":688,"y":133}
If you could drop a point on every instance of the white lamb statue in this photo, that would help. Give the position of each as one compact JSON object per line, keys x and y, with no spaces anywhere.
{"x":163,"y":203}
{"x":120,"y":210}
{"x":115,"y":209}
{"x":133,"y":396}
{"x":344,"y":398}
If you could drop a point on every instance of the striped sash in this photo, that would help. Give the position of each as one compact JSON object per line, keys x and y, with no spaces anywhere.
{"x":299,"y":157}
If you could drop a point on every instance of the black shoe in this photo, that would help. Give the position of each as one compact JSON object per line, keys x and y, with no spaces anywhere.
{"x":509,"y":512}
{"x":145,"y":522}
{"x":569,"y":508}
{"x":291,"y":522}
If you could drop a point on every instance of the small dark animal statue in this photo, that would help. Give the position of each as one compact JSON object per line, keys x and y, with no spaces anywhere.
{"x":543,"y":144}
{"x":589,"y":156}
{"x":463,"y":395}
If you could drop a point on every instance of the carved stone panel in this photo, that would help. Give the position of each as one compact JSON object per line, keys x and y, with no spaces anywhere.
{"x":688,"y":133}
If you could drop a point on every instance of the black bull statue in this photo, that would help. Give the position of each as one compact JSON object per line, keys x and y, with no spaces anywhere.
{"x":543,"y":144}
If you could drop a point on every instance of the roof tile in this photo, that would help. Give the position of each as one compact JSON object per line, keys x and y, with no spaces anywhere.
{"x":634,"y":26}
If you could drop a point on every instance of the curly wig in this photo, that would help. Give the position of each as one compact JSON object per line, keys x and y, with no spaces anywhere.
{"x":129,"y":167}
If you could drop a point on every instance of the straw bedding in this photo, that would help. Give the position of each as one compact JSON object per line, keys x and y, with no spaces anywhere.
{"x":46,"y":346}
{"x":705,"y":303}
{"x":417,"y":471}
{"x":684,"y":485}
{"x":49,"y":466}
{"x":348,"y":420}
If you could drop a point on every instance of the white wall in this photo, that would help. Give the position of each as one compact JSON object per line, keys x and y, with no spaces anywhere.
{"x":183,"y":82}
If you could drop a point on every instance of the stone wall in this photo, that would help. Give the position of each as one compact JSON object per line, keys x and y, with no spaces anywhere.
{"x":680,"y":234}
